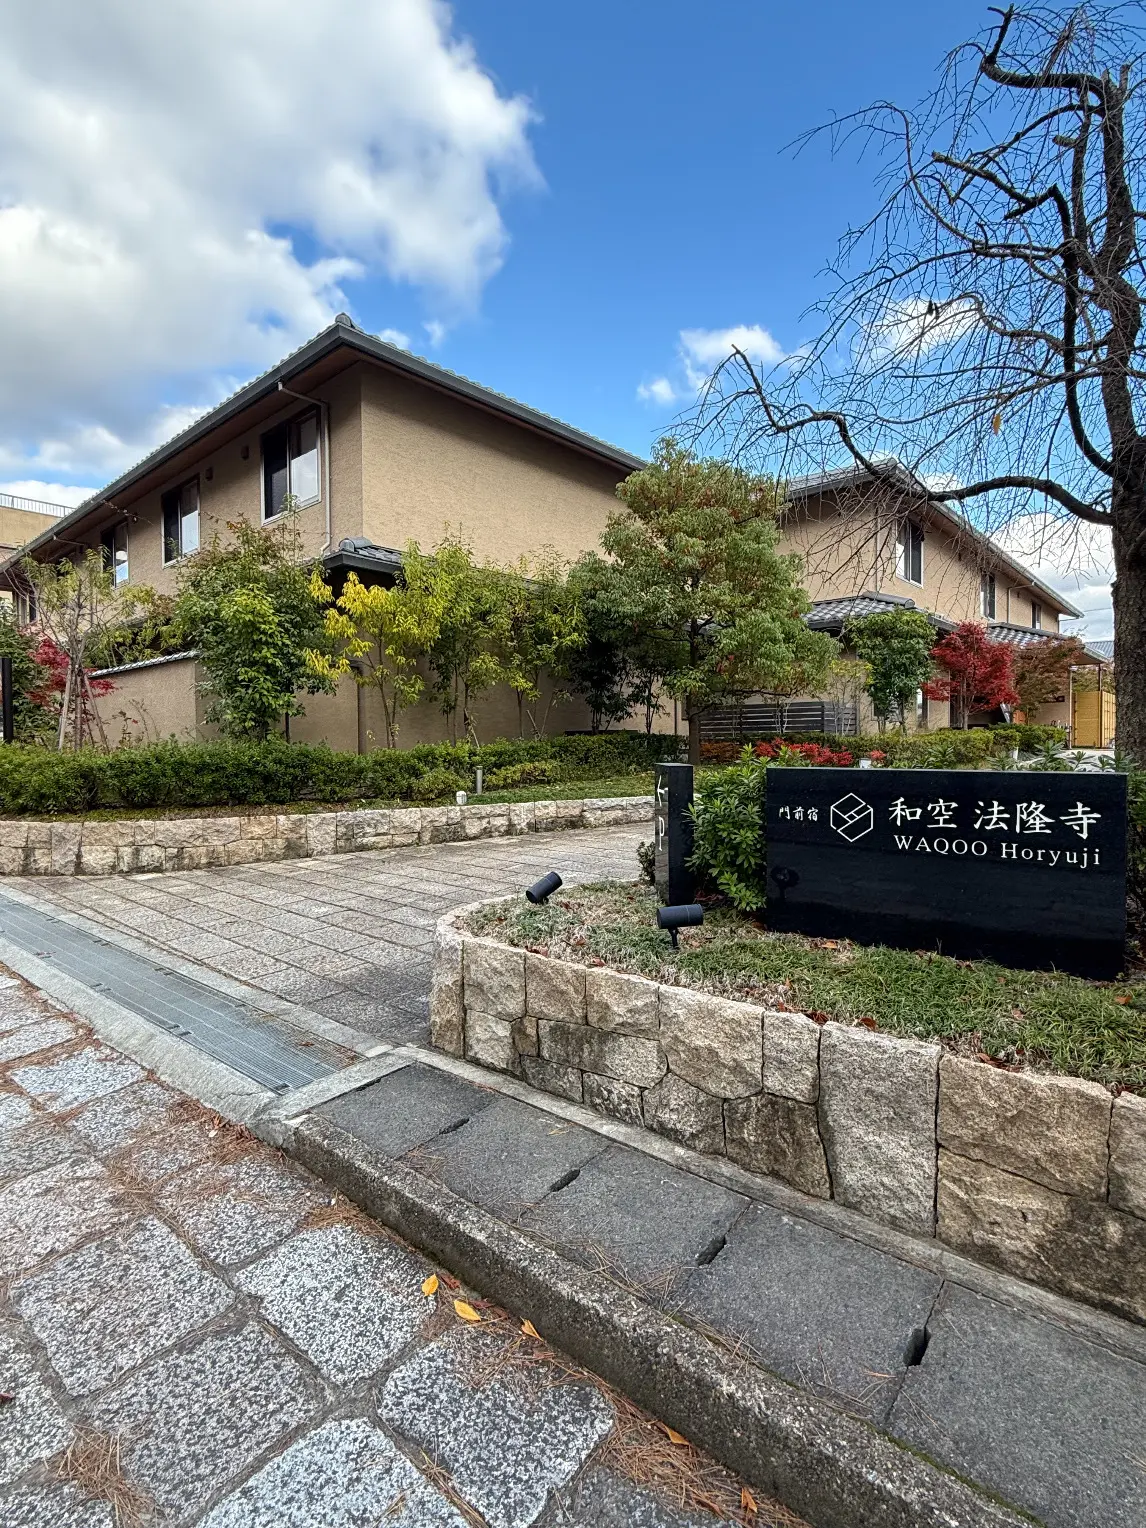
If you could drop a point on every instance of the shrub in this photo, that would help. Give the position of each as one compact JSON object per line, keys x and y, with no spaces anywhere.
{"x":437,"y":785}
{"x":729,"y":852}
{"x":647,"y":862}
{"x":532,"y":772}
{"x":239,"y":772}
{"x":804,"y":754}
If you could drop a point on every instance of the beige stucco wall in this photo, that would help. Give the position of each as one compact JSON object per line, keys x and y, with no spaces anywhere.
{"x":847,"y":544}
{"x":154,"y":702}
{"x":18,"y":526}
{"x":431,"y":461}
{"x":234,"y":490}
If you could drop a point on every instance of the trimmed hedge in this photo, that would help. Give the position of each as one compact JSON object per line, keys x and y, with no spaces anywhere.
{"x":169,"y":775}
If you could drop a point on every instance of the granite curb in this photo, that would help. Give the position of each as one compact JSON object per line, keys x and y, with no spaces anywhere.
{"x":126,"y":845}
{"x":833,"y":1469}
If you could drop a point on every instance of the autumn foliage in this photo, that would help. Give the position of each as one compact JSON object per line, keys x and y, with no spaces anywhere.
{"x":1042,"y":670}
{"x":979,"y":672}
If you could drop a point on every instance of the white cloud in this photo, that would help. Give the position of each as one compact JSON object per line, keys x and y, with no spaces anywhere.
{"x":708,"y":347}
{"x":1073,"y":557}
{"x":700,"y":352}
{"x":154,"y":157}
{"x":436,"y":331}
{"x":660,"y":390}
{"x":395,"y":337}
{"x":912,"y":326}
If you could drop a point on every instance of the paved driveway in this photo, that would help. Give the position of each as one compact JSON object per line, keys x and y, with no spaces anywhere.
{"x":350,"y":936}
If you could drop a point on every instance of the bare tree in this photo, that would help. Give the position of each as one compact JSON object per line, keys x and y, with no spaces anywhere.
{"x":982,"y":339}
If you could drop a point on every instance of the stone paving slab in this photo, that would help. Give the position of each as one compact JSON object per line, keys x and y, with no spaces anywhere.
{"x":506,"y":1445}
{"x":343,"y":1475}
{"x":350,"y":1301}
{"x":114,"y":1303}
{"x":407,"y":1108}
{"x":52,"y":1210}
{"x":33,"y":1426}
{"x":838,"y":1317}
{"x":1038,"y":1414}
{"x":194,"y":1419}
{"x":508,"y":1157}
{"x":637,"y":1217}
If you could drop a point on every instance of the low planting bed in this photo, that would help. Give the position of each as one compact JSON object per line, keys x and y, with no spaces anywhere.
{"x":996,"y":1110}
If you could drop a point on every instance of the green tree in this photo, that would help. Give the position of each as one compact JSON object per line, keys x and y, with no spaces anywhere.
{"x":606,"y":669}
{"x":379,"y":635}
{"x":545,"y":627}
{"x":32,"y":713}
{"x":896,"y":646}
{"x":248,"y":607}
{"x":695,"y":549}
{"x":467,"y":654}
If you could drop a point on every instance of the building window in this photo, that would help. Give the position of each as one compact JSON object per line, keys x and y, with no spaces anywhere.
{"x":181,"y":521}
{"x":114,"y":544}
{"x":909,"y":562}
{"x":290,"y":464}
{"x":1036,"y":616}
{"x":26,"y":607}
{"x":920,"y":709}
{"x":987,"y":595}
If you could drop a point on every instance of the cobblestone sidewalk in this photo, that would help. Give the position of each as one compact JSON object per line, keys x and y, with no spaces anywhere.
{"x":192,"y":1331}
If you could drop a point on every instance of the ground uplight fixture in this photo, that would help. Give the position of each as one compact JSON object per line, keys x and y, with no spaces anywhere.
{"x":540,"y":892}
{"x":686,"y":915}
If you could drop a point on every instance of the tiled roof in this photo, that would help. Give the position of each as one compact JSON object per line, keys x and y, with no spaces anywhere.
{"x":1027,"y":636}
{"x":1104,"y":648}
{"x":831,"y":615}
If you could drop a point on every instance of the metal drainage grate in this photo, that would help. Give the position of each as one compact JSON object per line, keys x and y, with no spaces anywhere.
{"x":231,"y":1031}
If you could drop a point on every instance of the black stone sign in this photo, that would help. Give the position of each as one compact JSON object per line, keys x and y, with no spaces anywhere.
{"x":672,"y":839}
{"x":1022,"y":867}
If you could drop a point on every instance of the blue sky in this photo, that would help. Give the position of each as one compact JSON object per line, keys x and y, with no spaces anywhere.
{"x":543,"y":197}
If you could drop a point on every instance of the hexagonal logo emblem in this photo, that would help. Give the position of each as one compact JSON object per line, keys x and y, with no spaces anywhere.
{"x":852,"y":817}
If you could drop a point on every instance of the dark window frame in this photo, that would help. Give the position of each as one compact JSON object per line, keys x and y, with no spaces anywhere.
{"x":172,"y":518}
{"x":988,"y":596}
{"x":1036,"y":615}
{"x":282,"y":445}
{"x":909,"y":552}
{"x":107,"y":541}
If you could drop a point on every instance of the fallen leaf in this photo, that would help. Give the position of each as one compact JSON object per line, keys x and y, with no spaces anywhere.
{"x":430,"y":1287}
{"x":530,"y":1330}
{"x":817,"y":1017}
{"x":830,"y":944}
{"x":747,"y":1500}
{"x":466,"y":1312}
{"x":674,"y":1437}
{"x":5,"y":1397}
{"x":868,"y":1022}
{"x":1123,"y":1000}
{"x":450,"y":1282}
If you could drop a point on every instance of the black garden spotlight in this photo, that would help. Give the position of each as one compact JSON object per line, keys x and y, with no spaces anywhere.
{"x":540,"y":892}
{"x":686,"y":915}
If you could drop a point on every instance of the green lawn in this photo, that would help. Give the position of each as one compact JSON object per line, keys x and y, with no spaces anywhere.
{"x":637,"y":784}
{"x":1037,"y":1018}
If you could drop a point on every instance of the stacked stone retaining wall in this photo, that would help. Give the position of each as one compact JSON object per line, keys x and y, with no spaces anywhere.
{"x":195,"y":843}
{"x":1042,"y":1176}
